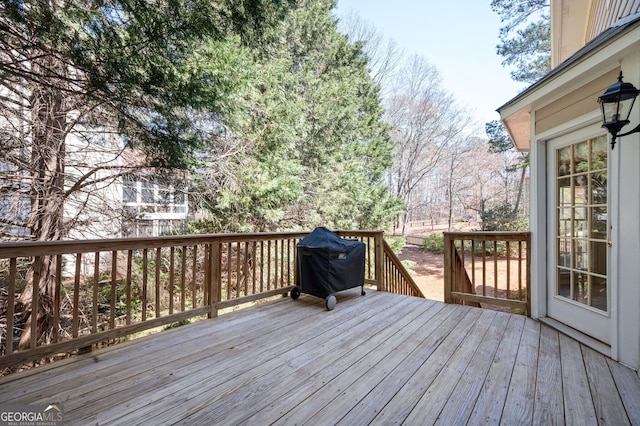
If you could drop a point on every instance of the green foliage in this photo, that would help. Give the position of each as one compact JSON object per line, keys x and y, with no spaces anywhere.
{"x":396,"y":244}
{"x":499,"y":140}
{"x":434,"y":243}
{"x":503,"y":218}
{"x":529,"y":49}
{"x":316,"y":147}
{"x":408,"y":265}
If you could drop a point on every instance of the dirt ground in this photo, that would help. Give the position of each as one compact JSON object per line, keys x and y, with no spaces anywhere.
{"x":428,"y":271}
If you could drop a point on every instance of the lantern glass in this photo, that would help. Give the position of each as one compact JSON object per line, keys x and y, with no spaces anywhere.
{"x":618,"y":110}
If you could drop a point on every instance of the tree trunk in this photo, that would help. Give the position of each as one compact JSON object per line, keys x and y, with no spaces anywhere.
{"x":520,"y":189}
{"x":48,"y":131}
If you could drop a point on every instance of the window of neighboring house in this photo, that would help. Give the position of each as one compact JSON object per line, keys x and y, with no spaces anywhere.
{"x":130,"y":189}
{"x":163,"y":202}
{"x":149,"y":196}
{"x":180,"y":200}
{"x":147,"y":192}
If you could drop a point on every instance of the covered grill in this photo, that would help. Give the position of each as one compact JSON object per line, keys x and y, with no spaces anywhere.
{"x":328,"y":264}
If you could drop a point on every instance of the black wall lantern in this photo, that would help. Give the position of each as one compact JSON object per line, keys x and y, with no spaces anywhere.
{"x":617,"y":102}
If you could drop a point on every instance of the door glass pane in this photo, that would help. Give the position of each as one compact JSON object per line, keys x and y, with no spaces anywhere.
{"x":581,"y":287}
{"x":581,"y":187}
{"x":564,"y":252}
{"x":599,"y":293}
{"x":599,"y":187}
{"x":581,"y":159}
{"x":580,"y":190}
{"x":564,"y":192}
{"x":599,"y":153}
{"x":564,"y":283}
{"x":564,"y":222}
{"x":598,"y":223}
{"x":580,"y":222}
{"x":599,"y":258}
{"x":580,"y":255}
{"x":564,"y":161}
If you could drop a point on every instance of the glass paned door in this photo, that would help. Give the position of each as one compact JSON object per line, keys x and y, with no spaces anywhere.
{"x":578,"y":292}
{"x":581,"y":184}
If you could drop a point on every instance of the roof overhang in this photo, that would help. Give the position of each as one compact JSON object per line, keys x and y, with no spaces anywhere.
{"x":601,"y":55}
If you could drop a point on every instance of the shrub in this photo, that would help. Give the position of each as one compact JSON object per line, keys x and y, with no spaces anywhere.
{"x":396,"y":244}
{"x":434,"y":243}
{"x":503,"y":218}
{"x":408,"y":265}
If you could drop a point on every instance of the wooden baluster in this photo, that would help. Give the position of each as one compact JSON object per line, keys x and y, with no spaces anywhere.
{"x":76,"y":297}
{"x":157,"y":281}
{"x":495,"y":268}
{"x":254,"y":267}
{"x":96,"y":292}
{"x":172,"y":253}
{"x":238,"y":270}
{"x":194,"y":277}
{"x":114,"y":288}
{"x":11,"y":302}
{"x":268,"y":265}
{"x":145,"y":275}
{"x":261,"y":266}
{"x":56,"y":300}
{"x":183,"y":279}
{"x":128,"y":284}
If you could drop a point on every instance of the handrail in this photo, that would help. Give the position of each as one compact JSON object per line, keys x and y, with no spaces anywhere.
{"x":397,"y":278}
{"x":471,"y":258}
{"x":97,"y":291}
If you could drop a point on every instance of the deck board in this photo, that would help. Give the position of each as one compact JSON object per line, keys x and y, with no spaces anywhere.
{"x":375,"y":359}
{"x":488,"y":407}
{"x":606,"y":405}
{"x":548,"y":408}
{"x":578,"y":406}
{"x":518,"y":409}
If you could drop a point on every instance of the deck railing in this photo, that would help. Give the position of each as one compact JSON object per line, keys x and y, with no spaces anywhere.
{"x":98,"y":291}
{"x":488,"y":268}
{"x":396,"y":278}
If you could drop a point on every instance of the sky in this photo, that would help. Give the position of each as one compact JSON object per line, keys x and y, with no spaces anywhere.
{"x":458,"y":37}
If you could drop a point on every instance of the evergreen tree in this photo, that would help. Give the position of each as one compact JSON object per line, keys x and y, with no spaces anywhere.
{"x":315,"y":143}
{"x":525,"y":38}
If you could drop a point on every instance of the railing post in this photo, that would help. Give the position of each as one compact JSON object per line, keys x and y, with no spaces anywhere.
{"x":214,"y":278}
{"x":379,"y":250}
{"x":448,"y":267}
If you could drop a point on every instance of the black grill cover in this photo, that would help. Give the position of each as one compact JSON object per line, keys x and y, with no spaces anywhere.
{"x":328,"y":263}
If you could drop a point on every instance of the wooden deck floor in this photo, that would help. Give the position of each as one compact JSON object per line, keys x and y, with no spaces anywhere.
{"x":377,"y":359}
